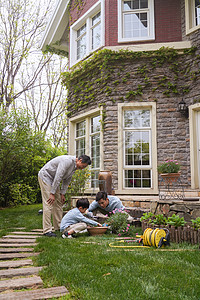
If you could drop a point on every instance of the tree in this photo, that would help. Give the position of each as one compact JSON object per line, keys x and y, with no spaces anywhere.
{"x":46,"y":101}
{"x":21,"y":25}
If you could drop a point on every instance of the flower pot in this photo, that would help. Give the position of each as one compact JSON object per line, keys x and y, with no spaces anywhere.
{"x":170,"y":178}
{"x":105,"y":182}
{"x":96,"y":230}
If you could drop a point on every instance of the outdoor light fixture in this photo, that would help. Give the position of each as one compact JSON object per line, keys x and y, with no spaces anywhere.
{"x":182,"y":108}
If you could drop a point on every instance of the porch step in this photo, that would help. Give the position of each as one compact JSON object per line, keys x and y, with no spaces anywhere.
{"x":16,"y":255}
{"x":15,"y":250}
{"x":9,"y":273}
{"x":15,"y":263}
{"x":17,"y":244}
{"x":38,"y":294}
{"x":20,"y":283}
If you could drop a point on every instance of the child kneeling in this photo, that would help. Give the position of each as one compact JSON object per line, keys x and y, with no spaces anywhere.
{"x":74,"y":221}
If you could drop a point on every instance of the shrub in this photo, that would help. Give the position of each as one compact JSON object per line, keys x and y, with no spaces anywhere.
{"x":159,"y":220}
{"x":196,"y":223}
{"x":21,"y":194}
{"x":118,"y":222}
{"x":147,"y":217}
{"x":176,"y":221}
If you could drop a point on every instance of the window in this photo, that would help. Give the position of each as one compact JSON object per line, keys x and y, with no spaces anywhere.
{"x":136,"y":20}
{"x":137,"y":136}
{"x":80,"y":138}
{"x":192,"y":13}
{"x":95,"y":149}
{"x":81,"y":42}
{"x":137,"y":157}
{"x":85,"y":137}
{"x":86,"y":34}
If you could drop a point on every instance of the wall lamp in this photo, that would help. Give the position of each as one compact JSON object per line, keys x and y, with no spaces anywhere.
{"x":183,"y":109}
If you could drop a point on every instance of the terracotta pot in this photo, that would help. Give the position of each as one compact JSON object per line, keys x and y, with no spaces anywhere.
{"x":170,"y":178}
{"x":96,"y":230}
{"x":105,"y":182}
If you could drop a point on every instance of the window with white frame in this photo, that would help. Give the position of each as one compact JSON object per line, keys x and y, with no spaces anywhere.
{"x":192,"y":13}
{"x":95,"y":149}
{"x":137,"y":156}
{"x":86,"y":33}
{"x":136,"y":20}
{"x":80,"y":138}
{"x":87,"y":140}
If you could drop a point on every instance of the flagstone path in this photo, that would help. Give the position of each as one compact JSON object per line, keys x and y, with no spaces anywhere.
{"x":17,"y":271}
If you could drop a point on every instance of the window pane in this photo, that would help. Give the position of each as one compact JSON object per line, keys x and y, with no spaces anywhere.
{"x":94,"y":179}
{"x":81,"y":47}
{"x":137,"y":118}
{"x":80,"y":129}
{"x":96,"y":19}
{"x":95,"y":124}
{"x":81,"y":31}
{"x":135,"y":25}
{"x":80,"y":147}
{"x":96,"y":31}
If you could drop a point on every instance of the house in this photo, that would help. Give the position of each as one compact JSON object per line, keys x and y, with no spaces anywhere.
{"x":133,"y":87}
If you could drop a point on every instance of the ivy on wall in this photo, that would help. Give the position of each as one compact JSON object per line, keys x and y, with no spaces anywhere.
{"x":105,"y":70}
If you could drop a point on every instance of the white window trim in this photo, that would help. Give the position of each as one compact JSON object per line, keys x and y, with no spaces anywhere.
{"x":193,"y":109}
{"x":189,"y":18}
{"x":72,"y":135}
{"x":151,"y":24}
{"x":154,"y":188}
{"x":86,"y":19}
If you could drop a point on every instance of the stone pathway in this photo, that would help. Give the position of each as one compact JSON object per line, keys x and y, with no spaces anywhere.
{"x":17,"y":271}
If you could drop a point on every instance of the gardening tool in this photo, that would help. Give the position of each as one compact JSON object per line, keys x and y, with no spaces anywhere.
{"x":156,"y":237}
{"x":151,"y":237}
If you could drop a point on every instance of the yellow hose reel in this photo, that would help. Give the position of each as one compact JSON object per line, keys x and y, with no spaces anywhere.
{"x":156,"y":237}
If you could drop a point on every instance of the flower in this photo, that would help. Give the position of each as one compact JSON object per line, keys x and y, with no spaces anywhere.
{"x":169,"y":166}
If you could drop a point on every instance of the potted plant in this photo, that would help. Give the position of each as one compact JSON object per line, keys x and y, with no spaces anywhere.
{"x":169,"y":171}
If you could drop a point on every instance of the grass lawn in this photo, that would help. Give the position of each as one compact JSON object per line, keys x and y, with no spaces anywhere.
{"x":91,"y":269}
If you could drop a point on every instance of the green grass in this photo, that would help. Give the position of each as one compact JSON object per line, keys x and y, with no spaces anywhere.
{"x":91,"y":269}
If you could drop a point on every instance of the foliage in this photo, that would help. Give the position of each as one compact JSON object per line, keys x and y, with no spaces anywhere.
{"x":147,"y":216}
{"x":159,"y":220}
{"x":78,"y":184}
{"x":118,"y":222}
{"x":169,"y":166}
{"x":22,"y":154}
{"x":196,"y":223}
{"x":176,"y":221}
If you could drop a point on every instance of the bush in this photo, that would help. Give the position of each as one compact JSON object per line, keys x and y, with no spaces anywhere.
{"x":22,"y":154}
{"x":196,"y":223}
{"x":176,"y":221}
{"x":118,"y":222}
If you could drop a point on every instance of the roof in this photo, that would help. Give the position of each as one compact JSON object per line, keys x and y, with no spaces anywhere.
{"x":56,"y":33}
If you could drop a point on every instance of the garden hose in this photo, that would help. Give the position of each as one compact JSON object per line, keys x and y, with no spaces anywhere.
{"x":151,"y":237}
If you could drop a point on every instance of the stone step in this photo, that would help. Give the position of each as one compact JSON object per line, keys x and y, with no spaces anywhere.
{"x":25,"y":241}
{"x":16,"y":255}
{"x":12,"y":236}
{"x":15,"y":263}
{"x":17,"y":245}
{"x":38,"y":294}
{"x":15,"y":250}
{"x":20,"y":283}
{"x":37,"y":230}
{"x":9,"y":273}
{"x":27,"y":233}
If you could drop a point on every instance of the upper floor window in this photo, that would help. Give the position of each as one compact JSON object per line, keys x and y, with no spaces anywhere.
{"x":136,"y":20}
{"x":192,"y":13}
{"x":86,"y":34}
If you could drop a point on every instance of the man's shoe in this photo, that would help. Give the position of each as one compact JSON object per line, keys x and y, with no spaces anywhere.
{"x":50,"y":234}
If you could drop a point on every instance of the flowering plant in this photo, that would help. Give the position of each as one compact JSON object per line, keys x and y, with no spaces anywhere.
{"x":169,"y":166}
{"x":118,"y":222}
